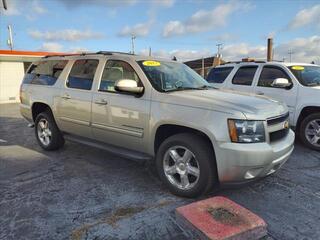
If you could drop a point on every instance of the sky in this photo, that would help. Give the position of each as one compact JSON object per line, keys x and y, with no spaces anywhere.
{"x":187,"y":29}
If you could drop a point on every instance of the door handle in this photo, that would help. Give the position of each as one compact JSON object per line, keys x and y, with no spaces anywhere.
{"x":101,"y":102}
{"x":260,"y":93}
{"x":66,"y":96}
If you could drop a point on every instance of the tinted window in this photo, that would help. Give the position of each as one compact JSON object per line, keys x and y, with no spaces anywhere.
{"x":82,"y":74}
{"x":244,"y":76}
{"x":307,"y":75}
{"x":172,"y":76}
{"x":45,"y":72}
{"x":115,"y":70}
{"x":218,"y":75}
{"x":269,"y":74}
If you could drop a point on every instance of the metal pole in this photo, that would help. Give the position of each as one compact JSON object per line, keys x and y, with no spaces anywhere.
{"x":202,"y":67}
{"x":270,"y":50}
{"x":4,"y":3}
{"x":133,"y":37}
{"x":149,"y":51}
{"x":10,"y":40}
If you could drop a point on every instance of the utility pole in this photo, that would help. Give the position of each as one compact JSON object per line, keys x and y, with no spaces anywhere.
{"x":290,"y":52}
{"x":133,"y":37}
{"x":149,"y":51}
{"x":10,"y":39}
{"x":219,"y":46}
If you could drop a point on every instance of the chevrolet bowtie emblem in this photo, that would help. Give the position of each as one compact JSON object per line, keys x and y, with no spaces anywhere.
{"x":286,"y":124}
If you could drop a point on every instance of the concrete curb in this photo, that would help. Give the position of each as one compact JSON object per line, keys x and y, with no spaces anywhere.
{"x":219,"y":218}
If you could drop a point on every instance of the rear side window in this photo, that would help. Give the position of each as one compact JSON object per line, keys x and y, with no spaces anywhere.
{"x":45,"y":72}
{"x":244,"y":76}
{"x":269,"y":74}
{"x":218,"y":75}
{"x":82,"y":74}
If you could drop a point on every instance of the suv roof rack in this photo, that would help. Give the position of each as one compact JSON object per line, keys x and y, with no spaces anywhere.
{"x":88,"y":53}
{"x":238,"y":62}
{"x":111,"y":53}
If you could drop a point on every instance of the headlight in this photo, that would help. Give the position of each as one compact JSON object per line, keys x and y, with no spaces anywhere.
{"x":242,"y":131}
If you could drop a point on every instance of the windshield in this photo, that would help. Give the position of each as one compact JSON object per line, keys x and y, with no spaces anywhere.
{"x":307,"y":75}
{"x":172,"y":76}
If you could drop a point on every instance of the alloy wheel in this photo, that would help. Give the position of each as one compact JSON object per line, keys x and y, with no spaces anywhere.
{"x":312,"y":132}
{"x":181,"y":167}
{"x":44,"y":132}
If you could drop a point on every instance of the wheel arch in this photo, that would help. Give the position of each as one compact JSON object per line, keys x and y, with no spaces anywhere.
{"x":39,"y":107}
{"x":164,"y":131}
{"x":306,"y":111}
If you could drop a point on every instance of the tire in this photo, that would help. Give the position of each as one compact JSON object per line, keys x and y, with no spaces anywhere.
{"x":52,"y":138}
{"x":309,"y":131}
{"x":172,"y":169}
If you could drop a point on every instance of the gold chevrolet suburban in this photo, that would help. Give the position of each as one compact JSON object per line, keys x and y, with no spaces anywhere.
{"x":154,"y":109}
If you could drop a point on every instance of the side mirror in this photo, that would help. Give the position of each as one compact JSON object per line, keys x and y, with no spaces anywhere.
{"x":128,"y":86}
{"x":281,"y":83}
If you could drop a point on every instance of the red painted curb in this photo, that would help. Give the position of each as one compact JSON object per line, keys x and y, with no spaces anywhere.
{"x":219,"y":218}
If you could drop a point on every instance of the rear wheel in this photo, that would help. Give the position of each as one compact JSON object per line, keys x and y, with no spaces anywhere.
{"x":47,"y":132}
{"x":310,"y":131}
{"x":186,"y":164}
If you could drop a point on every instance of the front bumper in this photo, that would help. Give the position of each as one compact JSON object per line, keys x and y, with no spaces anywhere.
{"x":238,"y":163}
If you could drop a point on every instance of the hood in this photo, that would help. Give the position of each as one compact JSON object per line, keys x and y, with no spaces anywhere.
{"x":251,"y":105}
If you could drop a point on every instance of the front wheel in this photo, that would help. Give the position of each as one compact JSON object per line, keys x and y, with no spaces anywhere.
{"x":186,"y":164}
{"x":310,"y":131}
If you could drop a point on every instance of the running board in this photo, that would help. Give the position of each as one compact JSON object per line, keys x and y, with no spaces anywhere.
{"x":122,"y":152}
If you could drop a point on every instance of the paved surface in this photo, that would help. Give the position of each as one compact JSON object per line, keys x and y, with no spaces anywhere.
{"x":80,"y":192}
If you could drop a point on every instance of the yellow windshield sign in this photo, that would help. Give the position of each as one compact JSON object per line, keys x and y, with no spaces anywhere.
{"x":151,"y":63}
{"x":299,"y":68}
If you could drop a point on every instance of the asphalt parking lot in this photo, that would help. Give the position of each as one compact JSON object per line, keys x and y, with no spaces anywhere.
{"x":80,"y":192}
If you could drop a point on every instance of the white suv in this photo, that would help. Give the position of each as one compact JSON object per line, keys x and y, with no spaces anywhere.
{"x":296,"y":84}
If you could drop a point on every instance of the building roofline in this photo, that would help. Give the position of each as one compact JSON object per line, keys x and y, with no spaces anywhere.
{"x":28,"y":53}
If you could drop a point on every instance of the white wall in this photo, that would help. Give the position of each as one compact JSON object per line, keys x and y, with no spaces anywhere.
{"x":11,"y":75}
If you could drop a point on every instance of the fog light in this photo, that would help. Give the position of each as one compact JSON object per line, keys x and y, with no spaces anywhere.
{"x":252,"y":173}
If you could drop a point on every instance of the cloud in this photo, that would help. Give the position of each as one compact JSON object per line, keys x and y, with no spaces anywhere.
{"x":12,"y":10}
{"x":105,"y":3}
{"x":78,"y":50}
{"x":65,"y":35}
{"x":235,"y":52}
{"x":30,"y":9}
{"x":205,"y":20}
{"x":38,"y":8}
{"x":164,"y":3}
{"x":51,"y":47}
{"x":143,"y":29}
{"x":308,"y":16}
{"x":304,"y":50}
{"x":225,"y":37}
{"x":139,"y":30}
{"x":181,"y":55}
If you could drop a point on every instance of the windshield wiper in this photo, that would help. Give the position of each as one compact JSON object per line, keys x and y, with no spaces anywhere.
{"x":313,"y":84}
{"x":204,"y":87}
